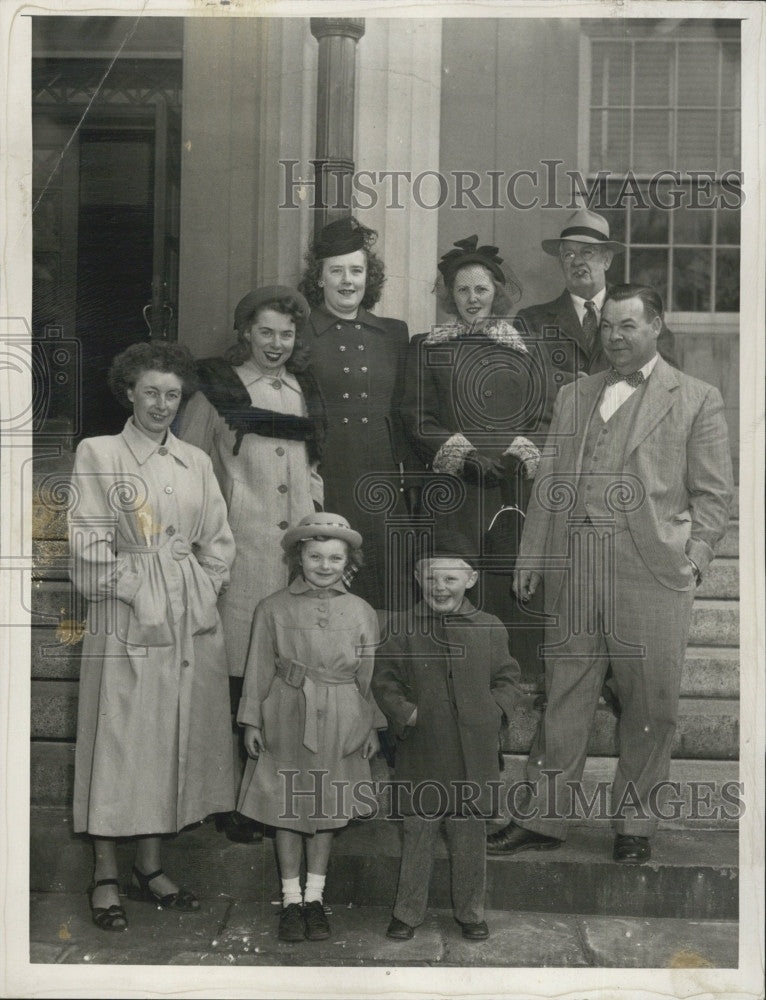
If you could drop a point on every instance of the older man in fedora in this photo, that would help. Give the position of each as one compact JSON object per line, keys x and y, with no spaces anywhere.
{"x":584,"y":251}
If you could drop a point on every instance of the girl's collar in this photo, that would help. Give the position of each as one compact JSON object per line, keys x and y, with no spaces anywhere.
{"x":496,"y":329}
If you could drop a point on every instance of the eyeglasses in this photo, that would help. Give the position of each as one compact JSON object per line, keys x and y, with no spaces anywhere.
{"x":586,"y":253}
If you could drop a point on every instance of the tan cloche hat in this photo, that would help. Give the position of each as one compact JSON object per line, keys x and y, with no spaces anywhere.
{"x":321,"y":524}
{"x":584,"y":226}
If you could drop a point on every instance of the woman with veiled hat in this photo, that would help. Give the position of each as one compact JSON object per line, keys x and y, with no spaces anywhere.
{"x":358,"y":361}
{"x":260,"y":417}
{"x":477,"y":404}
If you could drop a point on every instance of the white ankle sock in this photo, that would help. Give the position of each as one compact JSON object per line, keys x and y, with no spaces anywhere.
{"x":291,"y":891}
{"x":314,"y":888}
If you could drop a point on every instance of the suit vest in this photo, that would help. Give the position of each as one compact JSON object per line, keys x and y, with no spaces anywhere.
{"x":603,"y":457}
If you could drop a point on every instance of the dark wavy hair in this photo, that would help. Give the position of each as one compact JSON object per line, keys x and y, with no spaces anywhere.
{"x":506,"y":296}
{"x":240,"y":351}
{"x":650,"y":299}
{"x":355,"y":556}
{"x":312,"y":272}
{"x":151,"y":356}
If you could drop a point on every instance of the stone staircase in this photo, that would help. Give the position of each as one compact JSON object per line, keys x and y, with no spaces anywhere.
{"x":694,"y":869}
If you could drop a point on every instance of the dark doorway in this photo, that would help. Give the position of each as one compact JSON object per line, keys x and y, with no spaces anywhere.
{"x":114,"y":259}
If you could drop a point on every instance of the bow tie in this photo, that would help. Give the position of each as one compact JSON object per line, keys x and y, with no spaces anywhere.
{"x":634,"y":379}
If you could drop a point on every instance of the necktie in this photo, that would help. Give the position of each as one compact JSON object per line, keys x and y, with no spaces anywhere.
{"x":589,"y":326}
{"x":634,"y":379}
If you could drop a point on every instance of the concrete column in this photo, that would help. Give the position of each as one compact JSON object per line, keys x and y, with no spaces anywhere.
{"x":397,"y":117}
{"x":336,"y":79}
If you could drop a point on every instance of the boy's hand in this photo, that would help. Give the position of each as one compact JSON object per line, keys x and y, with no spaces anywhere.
{"x":413,"y":718}
{"x":253,"y":740}
{"x":371,"y":745}
{"x":525,"y":583}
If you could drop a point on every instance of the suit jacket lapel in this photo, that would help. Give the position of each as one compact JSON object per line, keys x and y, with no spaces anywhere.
{"x":658,"y":399}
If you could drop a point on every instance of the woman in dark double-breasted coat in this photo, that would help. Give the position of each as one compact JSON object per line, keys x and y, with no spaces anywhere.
{"x":358,"y":360}
{"x":477,"y":405}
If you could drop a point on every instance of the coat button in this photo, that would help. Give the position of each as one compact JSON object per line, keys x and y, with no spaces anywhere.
{"x":162,"y":451}
{"x":283,"y":525}
{"x":170,"y":530}
{"x":365,"y":420}
{"x":342,"y":347}
{"x":322,"y":623}
{"x":345,"y":420}
{"x":184,"y":663}
{"x":347,"y":395}
{"x":276,"y":384}
{"x":360,"y":347}
{"x":487,"y":393}
{"x":282,"y":488}
{"x":168,"y":489}
{"x":337,"y":326}
{"x":346,"y":370}
{"x":280,"y":451}
{"x":357,"y":326}
{"x":363,"y":395}
{"x":363,"y":368}
{"x":484,"y":363}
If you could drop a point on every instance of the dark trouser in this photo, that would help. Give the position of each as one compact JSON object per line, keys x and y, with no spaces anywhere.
{"x":468,"y":867}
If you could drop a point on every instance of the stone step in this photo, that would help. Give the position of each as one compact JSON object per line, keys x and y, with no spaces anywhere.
{"x":708,"y":728}
{"x":729,"y":544}
{"x":707,"y":793}
{"x":714,"y":623}
{"x":721,"y":579}
{"x":693,"y":874}
{"x":709,"y":672}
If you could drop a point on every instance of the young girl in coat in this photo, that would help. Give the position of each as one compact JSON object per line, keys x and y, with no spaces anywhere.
{"x":308,"y":714}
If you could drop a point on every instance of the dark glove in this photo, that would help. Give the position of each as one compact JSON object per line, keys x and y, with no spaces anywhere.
{"x":478,"y":469}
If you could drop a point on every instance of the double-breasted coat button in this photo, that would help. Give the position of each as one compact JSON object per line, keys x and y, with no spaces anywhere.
{"x":347,"y":395}
{"x":184,"y":663}
{"x":162,"y":451}
{"x":346,"y":370}
{"x":357,"y":326}
{"x":363,"y":395}
{"x":283,"y":525}
{"x":487,"y":393}
{"x":360,"y":347}
{"x":364,"y":420}
{"x":363,"y":368}
{"x":280,"y":451}
{"x":282,"y":488}
{"x":168,"y":489}
{"x":484,"y":362}
{"x":345,"y":420}
{"x":342,"y":347}
{"x":170,"y":530}
{"x":337,"y":326}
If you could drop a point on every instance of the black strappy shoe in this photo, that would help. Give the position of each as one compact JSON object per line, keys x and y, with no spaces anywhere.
{"x":107,"y":918}
{"x":141,"y":893}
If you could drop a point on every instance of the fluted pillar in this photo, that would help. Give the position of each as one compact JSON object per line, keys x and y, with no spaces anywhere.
{"x":336,"y":84}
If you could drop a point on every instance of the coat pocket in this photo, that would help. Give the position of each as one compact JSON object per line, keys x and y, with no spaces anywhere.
{"x":280,"y":721}
{"x":357,"y":722}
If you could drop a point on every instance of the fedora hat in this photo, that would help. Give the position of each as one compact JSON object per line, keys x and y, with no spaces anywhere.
{"x":584,"y":226}
{"x":321,"y":525}
{"x":248,"y":306}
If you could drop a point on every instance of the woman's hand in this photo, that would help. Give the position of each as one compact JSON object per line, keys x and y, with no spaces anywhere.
{"x":253,"y":740}
{"x":371,"y":745}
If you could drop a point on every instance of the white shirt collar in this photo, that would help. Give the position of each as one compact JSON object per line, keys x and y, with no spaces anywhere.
{"x":597,"y":300}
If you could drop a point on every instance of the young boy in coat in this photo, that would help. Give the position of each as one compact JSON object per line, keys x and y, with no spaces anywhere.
{"x":445,"y":680}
